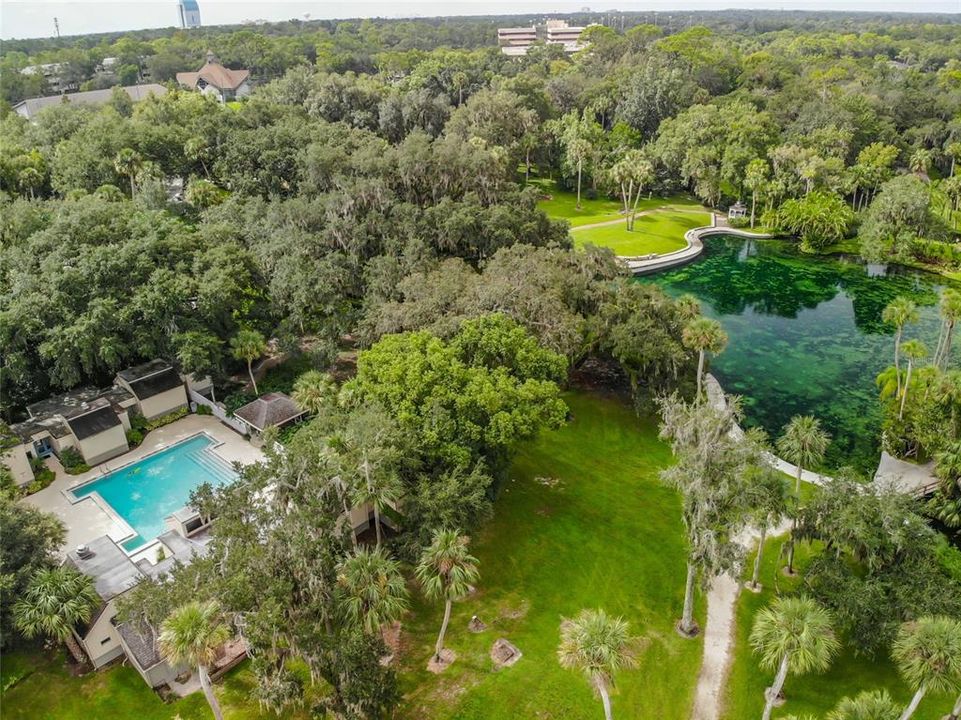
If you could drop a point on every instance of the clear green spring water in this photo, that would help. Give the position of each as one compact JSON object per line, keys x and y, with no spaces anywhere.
{"x":806,"y":335}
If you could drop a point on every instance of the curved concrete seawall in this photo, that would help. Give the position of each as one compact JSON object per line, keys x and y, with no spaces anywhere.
{"x":695,"y":246}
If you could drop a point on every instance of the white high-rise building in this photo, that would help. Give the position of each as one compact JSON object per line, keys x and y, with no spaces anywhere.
{"x":189,"y":12}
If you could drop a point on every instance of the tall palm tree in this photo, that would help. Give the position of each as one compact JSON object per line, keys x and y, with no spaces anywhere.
{"x":769,"y":500}
{"x":950,"y":314}
{"x":314,"y":390}
{"x":899,"y":313}
{"x":378,"y":487}
{"x":792,"y":635}
{"x":372,"y":589}
{"x":248,"y":345}
{"x":446,"y":571}
{"x":920,"y":161}
{"x":868,"y":705}
{"x":129,"y":162}
{"x":803,"y":443}
{"x":598,"y":645}
{"x":55,"y":601}
{"x":192,"y":634}
{"x":703,"y":334}
{"x":913,"y":350}
{"x":927,"y":652}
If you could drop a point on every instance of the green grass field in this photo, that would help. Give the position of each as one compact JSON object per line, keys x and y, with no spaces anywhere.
{"x":815,"y":694}
{"x":661,"y":232}
{"x":583,"y":522}
{"x":46,"y":690}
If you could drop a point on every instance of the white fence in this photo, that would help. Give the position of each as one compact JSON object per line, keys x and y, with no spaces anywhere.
{"x":218,"y":411}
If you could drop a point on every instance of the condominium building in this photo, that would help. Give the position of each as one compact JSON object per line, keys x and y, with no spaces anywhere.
{"x":516,"y":41}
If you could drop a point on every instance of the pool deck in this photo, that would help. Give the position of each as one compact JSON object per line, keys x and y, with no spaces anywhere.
{"x":87,"y":519}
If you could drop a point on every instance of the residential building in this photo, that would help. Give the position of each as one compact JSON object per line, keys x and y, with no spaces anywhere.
{"x":216,"y":80}
{"x":105,"y":638}
{"x":188,"y":12}
{"x":560,"y":33}
{"x":31,"y":106}
{"x":53,"y":75}
{"x":94,"y":421}
{"x":274,"y":409}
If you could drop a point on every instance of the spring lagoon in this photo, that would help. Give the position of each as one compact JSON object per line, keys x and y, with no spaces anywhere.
{"x":806,"y":335}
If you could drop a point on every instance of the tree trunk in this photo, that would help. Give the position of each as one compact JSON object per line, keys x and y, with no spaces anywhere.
{"x":209,"y":692}
{"x":757,"y":559}
{"x":74,"y":647}
{"x":250,"y":371}
{"x":133,"y":186}
{"x":377,"y":524}
{"x":605,"y":698}
{"x":904,"y":395}
{"x":527,"y":166}
{"x":797,"y":483}
{"x":772,"y":692}
{"x":687,"y":618}
{"x":915,"y":701}
{"x":790,"y":549}
{"x":897,"y":355}
{"x":579,"y":184}
{"x":443,"y":631}
{"x":637,"y":199}
{"x":956,"y":710}
{"x":753,"y":205}
{"x":700,"y":372}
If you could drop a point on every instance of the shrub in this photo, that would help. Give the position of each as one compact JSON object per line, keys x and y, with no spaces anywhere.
{"x":134,"y":437}
{"x":72,"y":461}
{"x":739,"y":222}
{"x":166,"y":419}
{"x":138,"y":422}
{"x":204,"y":409}
{"x":41,"y":480}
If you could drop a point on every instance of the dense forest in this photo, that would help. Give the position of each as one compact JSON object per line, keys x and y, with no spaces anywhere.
{"x":375,"y":192}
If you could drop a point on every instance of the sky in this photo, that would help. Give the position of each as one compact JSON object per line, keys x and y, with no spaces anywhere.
{"x":34,"y":18}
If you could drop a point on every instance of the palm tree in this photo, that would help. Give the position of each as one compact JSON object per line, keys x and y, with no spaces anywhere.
{"x":372,"y":589}
{"x":755,"y":177}
{"x":129,"y":162}
{"x":792,"y":635}
{"x":378,"y":487}
{"x":876,"y":705}
{"x":950,"y":314}
{"x":703,"y":334}
{"x":30,"y":179}
{"x":927,"y":652}
{"x":920,"y":161}
{"x":803,"y":443}
{"x":313,"y":391}
{"x":913,"y":350}
{"x":769,"y":500}
{"x":953,"y":150}
{"x":688,"y":307}
{"x":248,"y":345}
{"x":446,"y":571}
{"x":598,"y":645}
{"x":899,"y":313}
{"x":55,"y":601}
{"x":192,"y":635}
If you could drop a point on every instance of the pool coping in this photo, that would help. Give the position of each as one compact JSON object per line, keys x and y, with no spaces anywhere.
{"x":107,"y":508}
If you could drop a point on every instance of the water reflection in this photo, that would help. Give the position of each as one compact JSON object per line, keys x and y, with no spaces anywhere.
{"x":806,"y":333}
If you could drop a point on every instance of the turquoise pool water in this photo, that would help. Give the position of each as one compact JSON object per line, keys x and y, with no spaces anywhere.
{"x":806,"y":335}
{"x":147,"y":491}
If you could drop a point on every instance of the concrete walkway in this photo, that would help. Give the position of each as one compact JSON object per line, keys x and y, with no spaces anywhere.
{"x":695,"y":246}
{"x":906,"y":477}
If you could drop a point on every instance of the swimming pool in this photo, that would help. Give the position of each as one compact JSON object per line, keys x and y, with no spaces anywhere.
{"x":147,"y":491}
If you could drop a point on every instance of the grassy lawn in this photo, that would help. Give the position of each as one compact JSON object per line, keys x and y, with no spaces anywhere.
{"x":583,"y":523}
{"x":47,"y":691}
{"x":661,"y":232}
{"x":563,"y":204}
{"x":815,"y":694}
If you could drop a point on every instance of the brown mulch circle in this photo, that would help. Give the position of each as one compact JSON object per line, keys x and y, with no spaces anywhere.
{"x":504,"y":653}
{"x":447,"y":656}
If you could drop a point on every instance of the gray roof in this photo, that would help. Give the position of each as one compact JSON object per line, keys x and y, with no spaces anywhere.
{"x":151,"y":378}
{"x":112,"y":570}
{"x":274,"y":408}
{"x":31,"y":106}
{"x":141,"y":641}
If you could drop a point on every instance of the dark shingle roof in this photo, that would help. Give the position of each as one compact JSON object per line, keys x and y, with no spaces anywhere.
{"x":97,"y":417}
{"x":268,"y":410}
{"x":151,"y":378}
{"x":142,"y":643}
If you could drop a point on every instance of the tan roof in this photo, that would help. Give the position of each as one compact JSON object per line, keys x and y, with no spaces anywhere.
{"x":213,"y":73}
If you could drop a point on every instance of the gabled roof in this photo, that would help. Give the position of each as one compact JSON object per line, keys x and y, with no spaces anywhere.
{"x":151,"y":378}
{"x":99,"y":416}
{"x":213,"y":73}
{"x":268,"y":410}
